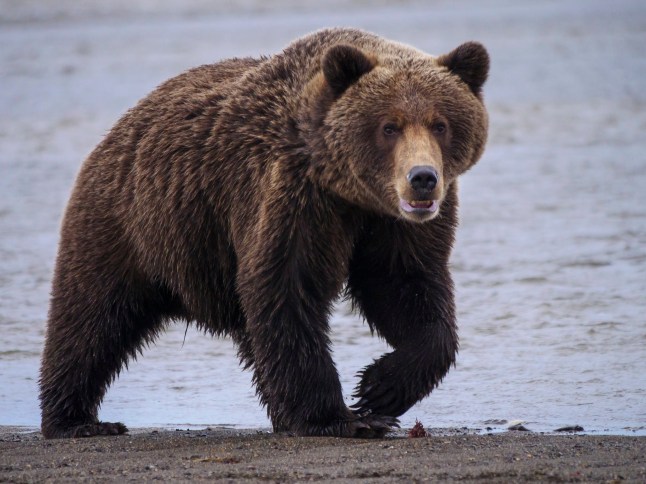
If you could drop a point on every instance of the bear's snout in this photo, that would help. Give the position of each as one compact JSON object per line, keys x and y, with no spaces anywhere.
{"x":420,"y":193}
{"x":423,"y":180}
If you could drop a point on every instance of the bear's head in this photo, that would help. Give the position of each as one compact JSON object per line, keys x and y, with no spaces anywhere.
{"x":391,"y":131}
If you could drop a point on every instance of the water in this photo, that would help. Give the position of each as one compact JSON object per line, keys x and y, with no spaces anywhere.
{"x":550,"y":261}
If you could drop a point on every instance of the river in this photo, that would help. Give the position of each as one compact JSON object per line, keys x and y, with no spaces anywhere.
{"x":550,"y":260}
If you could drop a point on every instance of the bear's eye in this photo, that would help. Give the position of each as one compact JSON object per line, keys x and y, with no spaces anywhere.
{"x":390,"y":129}
{"x":439,"y":127}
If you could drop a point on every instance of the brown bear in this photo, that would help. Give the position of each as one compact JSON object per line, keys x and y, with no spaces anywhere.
{"x":245,"y":197}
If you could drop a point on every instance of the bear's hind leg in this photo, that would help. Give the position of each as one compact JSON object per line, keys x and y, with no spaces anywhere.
{"x":89,"y":340}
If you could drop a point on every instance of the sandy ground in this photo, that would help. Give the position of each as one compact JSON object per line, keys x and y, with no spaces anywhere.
{"x":233,"y":455}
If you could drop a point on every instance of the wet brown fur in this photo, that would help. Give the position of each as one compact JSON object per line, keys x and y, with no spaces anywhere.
{"x":244,"y":196}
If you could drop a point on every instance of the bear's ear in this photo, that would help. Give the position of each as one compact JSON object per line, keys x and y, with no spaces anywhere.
{"x":470,"y":62}
{"x":343,"y":65}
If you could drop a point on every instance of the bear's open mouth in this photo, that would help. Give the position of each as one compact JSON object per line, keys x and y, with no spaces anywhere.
{"x":418,"y":206}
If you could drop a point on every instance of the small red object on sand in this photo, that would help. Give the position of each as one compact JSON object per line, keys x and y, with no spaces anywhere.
{"x":417,"y":430}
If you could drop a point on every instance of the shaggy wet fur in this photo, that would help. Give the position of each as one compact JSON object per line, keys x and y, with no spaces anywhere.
{"x":244,"y":196}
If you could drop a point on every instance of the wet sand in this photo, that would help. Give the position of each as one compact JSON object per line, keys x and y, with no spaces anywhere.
{"x":236,"y":455}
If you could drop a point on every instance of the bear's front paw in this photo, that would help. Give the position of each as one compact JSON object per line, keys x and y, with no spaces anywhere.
{"x":372,"y":426}
{"x":366,"y":426}
{"x":383,"y":391}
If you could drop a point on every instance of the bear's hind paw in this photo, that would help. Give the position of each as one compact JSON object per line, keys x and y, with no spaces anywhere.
{"x":99,"y":428}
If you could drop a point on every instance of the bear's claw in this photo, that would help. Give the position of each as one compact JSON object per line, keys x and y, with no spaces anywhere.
{"x":381,"y":391}
{"x":384,"y":401}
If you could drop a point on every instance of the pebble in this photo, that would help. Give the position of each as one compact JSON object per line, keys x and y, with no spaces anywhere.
{"x":570,"y":428}
{"x":519,"y":427}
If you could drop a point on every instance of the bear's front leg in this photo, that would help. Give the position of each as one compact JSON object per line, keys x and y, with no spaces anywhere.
{"x":396,"y":381}
{"x":294,"y":373}
{"x":289,"y":273}
{"x":401,"y":283}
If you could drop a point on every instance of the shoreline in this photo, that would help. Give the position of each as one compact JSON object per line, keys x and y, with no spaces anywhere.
{"x":505,"y":427}
{"x":251,"y":454}
{"x":548,"y":263}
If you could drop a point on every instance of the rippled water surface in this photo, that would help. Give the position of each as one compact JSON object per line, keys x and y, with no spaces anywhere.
{"x":550,"y":263}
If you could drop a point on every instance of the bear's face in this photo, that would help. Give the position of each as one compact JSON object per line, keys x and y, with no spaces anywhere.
{"x":401,"y":129}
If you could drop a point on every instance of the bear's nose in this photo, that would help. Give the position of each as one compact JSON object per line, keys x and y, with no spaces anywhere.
{"x":422,"y":178}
